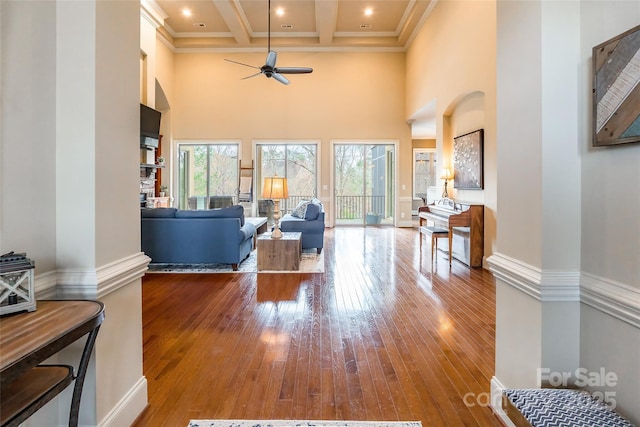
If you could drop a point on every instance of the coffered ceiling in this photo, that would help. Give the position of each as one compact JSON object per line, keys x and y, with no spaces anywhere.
{"x":238,"y":25}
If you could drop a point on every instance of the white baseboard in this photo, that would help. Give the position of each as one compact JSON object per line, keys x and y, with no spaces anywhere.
{"x":46,"y":285}
{"x":496,"y":402}
{"x":129,"y":407}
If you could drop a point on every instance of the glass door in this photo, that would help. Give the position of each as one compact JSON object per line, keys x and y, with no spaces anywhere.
{"x":295,"y":161}
{"x":364,"y":184}
{"x":207,"y":175}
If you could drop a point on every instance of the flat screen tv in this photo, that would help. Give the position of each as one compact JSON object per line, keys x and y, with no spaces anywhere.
{"x":149,"y":126}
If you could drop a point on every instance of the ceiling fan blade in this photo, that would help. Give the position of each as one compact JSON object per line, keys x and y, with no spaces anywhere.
{"x":252,"y":75}
{"x":271,"y":59}
{"x":279,"y":77}
{"x":293,"y":70}
{"x":241,"y":63}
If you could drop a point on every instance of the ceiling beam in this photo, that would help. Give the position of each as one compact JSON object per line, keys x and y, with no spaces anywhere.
{"x":229,"y":12}
{"x":326,"y":17}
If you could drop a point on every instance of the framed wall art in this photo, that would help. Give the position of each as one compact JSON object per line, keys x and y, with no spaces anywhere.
{"x":468,"y":161}
{"x":616,"y":90}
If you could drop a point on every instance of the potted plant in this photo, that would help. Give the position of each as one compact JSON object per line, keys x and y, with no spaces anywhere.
{"x":163,"y":191}
{"x":373,"y":218}
{"x":160,"y":160}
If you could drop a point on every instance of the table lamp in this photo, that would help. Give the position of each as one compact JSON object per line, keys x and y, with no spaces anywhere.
{"x":446,"y":175}
{"x":275,"y":188}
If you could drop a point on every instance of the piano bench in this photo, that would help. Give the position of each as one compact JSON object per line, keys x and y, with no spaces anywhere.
{"x":435,"y":233}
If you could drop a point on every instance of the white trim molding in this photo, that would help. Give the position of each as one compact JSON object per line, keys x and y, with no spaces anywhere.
{"x":96,"y":283}
{"x":129,"y":407}
{"x":519,"y":275}
{"x":560,"y":285}
{"x":496,"y":401}
{"x":46,"y":285}
{"x":616,"y":299}
{"x":543,"y":285}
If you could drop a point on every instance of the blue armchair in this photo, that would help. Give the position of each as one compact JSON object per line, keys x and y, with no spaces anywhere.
{"x":308,"y":219}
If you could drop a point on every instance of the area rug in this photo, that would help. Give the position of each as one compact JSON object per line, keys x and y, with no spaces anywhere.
{"x":310,"y":262}
{"x":296,"y":423}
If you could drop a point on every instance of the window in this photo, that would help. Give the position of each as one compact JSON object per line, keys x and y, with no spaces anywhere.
{"x":295,"y":161}
{"x":424,"y":173}
{"x":207,"y":175}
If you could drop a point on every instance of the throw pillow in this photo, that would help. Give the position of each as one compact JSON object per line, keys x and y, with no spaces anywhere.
{"x":312,"y":212}
{"x":300,"y":210}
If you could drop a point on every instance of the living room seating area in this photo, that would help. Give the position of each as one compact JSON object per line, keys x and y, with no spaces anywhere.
{"x":170,"y":235}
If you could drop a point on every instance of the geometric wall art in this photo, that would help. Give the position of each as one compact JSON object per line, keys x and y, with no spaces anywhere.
{"x":616,"y":89}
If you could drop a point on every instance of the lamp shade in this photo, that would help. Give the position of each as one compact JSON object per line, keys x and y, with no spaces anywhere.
{"x":446,"y":174}
{"x":275,"y":188}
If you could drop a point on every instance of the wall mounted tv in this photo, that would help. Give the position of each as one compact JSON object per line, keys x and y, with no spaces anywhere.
{"x":149,"y":126}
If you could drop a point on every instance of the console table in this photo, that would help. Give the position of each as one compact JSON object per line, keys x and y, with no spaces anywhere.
{"x":28,"y":339}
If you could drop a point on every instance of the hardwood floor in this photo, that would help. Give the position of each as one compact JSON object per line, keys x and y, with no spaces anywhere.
{"x":378,"y":336}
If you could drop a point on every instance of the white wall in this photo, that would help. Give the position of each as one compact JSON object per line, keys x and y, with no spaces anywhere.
{"x":610,"y":246}
{"x":27,"y":169}
{"x":69,"y":110}
{"x":569,"y":235}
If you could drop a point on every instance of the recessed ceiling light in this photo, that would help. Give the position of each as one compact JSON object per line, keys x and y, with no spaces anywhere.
{"x":186,"y":12}
{"x":279,"y":11}
{"x":368,"y":11}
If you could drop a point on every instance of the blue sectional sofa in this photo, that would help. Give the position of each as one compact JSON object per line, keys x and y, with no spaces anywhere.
{"x":170,"y":235}
{"x":307,"y":218}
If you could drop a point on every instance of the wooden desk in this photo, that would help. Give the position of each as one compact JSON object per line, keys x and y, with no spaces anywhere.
{"x":27,"y":339}
{"x":279,"y":254}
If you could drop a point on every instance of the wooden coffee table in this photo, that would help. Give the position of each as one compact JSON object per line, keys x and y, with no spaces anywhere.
{"x":279,"y":254}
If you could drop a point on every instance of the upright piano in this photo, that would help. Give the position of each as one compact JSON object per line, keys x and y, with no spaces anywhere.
{"x":465,"y":222}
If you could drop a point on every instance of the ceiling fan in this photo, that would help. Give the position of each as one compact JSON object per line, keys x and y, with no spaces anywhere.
{"x":269,"y":69}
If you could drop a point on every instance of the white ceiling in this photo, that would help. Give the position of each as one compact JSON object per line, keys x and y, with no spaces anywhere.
{"x":240,"y":25}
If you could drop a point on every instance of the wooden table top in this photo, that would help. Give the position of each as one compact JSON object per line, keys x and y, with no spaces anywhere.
{"x":28,"y":338}
{"x":286,"y":235}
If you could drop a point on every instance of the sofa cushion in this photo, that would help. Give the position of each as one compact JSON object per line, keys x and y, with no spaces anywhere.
{"x":235,"y":211}
{"x":158,"y":212}
{"x":292,"y":223}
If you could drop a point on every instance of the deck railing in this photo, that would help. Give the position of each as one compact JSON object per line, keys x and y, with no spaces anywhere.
{"x":352,"y":207}
{"x":347,"y":207}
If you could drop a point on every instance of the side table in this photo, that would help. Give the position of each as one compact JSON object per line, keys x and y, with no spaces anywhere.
{"x":279,"y":254}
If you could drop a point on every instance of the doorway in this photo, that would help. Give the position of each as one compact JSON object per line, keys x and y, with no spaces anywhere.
{"x":364,"y":184}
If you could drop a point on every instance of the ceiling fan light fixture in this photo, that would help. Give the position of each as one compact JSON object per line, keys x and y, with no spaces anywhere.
{"x":269,"y":69}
